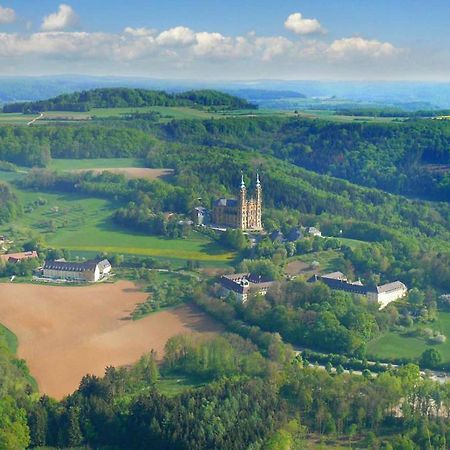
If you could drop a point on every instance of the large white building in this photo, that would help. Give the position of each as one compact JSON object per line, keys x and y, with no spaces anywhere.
{"x":383,"y":295}
{"x":88,"y":271}
{"x":387,"y":293}
{"x":244,"y":284}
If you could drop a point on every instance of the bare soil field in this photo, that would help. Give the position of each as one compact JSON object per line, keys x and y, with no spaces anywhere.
{"x":67,"y":332}
{"x":133,"y":172}
{"x":298,"y":268}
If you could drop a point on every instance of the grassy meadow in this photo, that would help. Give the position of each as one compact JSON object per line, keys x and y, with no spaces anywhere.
{"x":402,"y":345}
{"x":9,"y":338}
{"x":97,"y":163}
{"x":329,"y":260}
{"x":81,"y":224}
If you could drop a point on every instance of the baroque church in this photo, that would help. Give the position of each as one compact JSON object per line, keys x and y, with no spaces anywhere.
{"x":241,"y":213}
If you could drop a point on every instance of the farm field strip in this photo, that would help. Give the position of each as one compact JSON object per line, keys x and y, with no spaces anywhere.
{"x":160,"y":252}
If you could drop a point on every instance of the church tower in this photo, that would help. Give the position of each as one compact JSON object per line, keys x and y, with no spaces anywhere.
{"x":258,"y":203}
{"x":243,"y":206}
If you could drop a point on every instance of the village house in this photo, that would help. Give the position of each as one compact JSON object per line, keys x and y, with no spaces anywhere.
{"x":383,"y":295}
{"x":85,"y":272}
{"x":313,"y":231}
{"x":244,"y":284}
{"x":17,"y":257}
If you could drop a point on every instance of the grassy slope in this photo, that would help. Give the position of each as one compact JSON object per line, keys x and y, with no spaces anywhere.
{"x":328,"y":260}
{"x":10,"y":338}
{"x":84,"y":224}
{"x":99,"y":163}
{"x":395,"y":345}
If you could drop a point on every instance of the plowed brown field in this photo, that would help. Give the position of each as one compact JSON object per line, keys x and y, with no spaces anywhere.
{"x":67,"y":332}
{"x":133,"y":172}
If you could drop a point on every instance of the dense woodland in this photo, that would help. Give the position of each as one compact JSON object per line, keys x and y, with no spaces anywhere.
{"x":277,"y":403}
{"x":129,"y":98}
{"x":398,"y":158}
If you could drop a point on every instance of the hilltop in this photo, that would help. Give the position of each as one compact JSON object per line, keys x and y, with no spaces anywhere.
{"x":84,"y":101}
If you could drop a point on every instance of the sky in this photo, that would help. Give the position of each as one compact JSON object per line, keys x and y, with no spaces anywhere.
{"x":228,"y":39}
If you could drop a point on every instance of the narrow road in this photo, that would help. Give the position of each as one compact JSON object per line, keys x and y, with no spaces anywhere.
{"x":435,"y":375}
{"x":41,"y":115}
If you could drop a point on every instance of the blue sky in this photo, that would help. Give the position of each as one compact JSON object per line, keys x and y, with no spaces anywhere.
{"x":228,"y":39}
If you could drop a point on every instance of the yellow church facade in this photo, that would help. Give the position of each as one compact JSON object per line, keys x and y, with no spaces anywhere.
{"x":243,"y":213}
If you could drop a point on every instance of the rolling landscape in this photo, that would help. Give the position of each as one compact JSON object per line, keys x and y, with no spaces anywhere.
{"x":239,"y":240}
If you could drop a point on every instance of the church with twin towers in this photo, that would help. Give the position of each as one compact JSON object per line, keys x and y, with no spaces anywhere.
{"x":243,"y":213}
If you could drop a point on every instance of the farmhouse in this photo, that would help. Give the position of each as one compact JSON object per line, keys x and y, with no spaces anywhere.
{"x":88,"y":271}
{"x":17,"y":257}
{"x":243,"y":284}
{"x":383,"y":295}
{"x":241,"y":213}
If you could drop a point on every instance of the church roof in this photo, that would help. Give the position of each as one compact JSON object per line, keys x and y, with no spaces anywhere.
{"x":226,"y":202}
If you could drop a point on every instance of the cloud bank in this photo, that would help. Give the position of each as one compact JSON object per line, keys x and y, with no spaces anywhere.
{"x":183,"y":51}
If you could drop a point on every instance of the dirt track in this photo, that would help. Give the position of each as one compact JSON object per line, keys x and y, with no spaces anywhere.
{"x":66,"y":332}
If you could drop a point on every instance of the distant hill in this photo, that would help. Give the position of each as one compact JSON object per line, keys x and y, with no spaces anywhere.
{"x":126,"y":97}
{"x":257,"y":95}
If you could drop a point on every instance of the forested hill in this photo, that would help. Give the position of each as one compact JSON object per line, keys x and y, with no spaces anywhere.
{"x":126,"y":97}
{"x":410,"y":158}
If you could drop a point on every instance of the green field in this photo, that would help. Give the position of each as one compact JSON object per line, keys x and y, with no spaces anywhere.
{"x":83,"y":224}
{"x":166,"y":112}
{"x":9,"y":338}
{"x":98,"y":163}
{"x":352,"y":243}
{"x":396,"y":345}
{"x":329,"y":260}
{"x":174,"y":384}
{"x":334,"y":116}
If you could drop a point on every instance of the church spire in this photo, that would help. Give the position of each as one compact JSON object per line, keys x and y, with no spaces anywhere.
{"x":242,"y":181}
{"x":258,"y":183}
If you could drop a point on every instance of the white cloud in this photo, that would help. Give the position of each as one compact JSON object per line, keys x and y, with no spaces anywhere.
{"x":139,"y":32}
{"x":299,"y":25}
{"x":358,"y":46}
{"x":64,"y":18}
{"x":181,"y":51}
{"x":273,"y":46}
{"x":7,"y":15}
{"x":176,"y":36}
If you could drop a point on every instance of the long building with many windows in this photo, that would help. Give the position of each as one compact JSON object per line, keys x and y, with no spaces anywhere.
{"x":83,"y":272}
{"x":383,"y":295}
